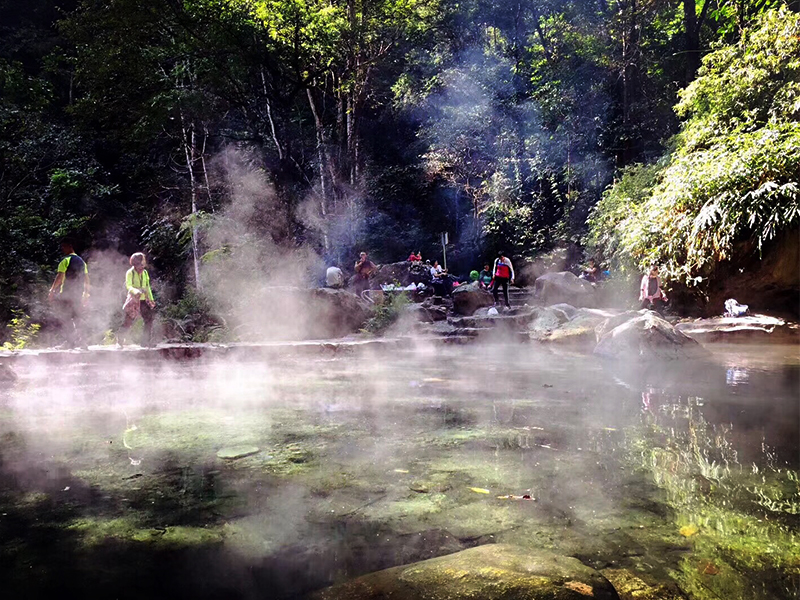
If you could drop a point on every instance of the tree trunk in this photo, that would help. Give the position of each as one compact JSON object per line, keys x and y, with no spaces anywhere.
{"x":630,"y":51}
{"x":323,"y":160}
{"x":692,"y":36}
{"x":190,"y":152}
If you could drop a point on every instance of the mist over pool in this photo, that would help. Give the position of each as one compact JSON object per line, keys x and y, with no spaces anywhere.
{"x":274,"y":478}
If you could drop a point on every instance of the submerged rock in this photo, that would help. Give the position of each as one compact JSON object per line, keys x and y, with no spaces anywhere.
{"x":469,"y":298}
{"x":749,"y":328}
{"x":7,"y":374}
{"x":551,"y":288}
{"x":490,"y":572}
{"x":647,"y":337}
{"x":631,"y":587}
{"x":234,"y":452}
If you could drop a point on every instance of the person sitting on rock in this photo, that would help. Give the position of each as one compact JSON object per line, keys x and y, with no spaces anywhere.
{"x":591,"y":272}
{"x":415,"y":258}
{"x":334,"y":278}
{"x":485,"y":277}
{"x":503,"y":275}
{"x":442,"y":284}
{"x":650,"y":293}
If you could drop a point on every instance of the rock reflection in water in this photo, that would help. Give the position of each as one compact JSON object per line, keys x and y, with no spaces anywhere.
{"x":660,"y":477}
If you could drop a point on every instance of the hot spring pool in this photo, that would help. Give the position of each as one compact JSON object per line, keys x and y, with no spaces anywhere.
{"x":683,"y":476}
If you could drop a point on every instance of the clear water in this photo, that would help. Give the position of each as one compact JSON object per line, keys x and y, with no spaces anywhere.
{"x":683,"y":476}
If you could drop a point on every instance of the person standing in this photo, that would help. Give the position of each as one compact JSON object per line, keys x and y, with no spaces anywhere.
{"x":650,"y":293}
{"x":364,"y":269}
{"x":140,"y":301}
{"x":70,"y":294}
{"x":503,"y":275}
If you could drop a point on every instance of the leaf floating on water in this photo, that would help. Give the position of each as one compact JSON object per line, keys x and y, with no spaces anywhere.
{"x":689,"y":530}
{"x":480,"y":490}
{"x":709,"y":568}
{"x":513,"y":497}
{"x":401,"y":471}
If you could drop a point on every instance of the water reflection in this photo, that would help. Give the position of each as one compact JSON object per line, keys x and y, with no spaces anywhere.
{"x":736,"y":376}
{"x":727,"y":464}
{"x":665,"y":474}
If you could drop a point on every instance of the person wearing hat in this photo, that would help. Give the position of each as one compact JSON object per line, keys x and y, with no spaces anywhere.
{"x":140,"y":301}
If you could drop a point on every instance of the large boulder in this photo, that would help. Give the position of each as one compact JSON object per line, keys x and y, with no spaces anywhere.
{"x":579,"y":330}
{"x":335,"y":313}
{"x":767,"y":279}
{"x":403,"y":273}
{"x":490,"y":572}
{"x":552,"y":288}
{"x":469,"y":298}
{"x":647,"y":337}
{"x":615,"y":321}
{"x":291,"y":313}
{"x":426,"y":312}
{"x":545,"y":321}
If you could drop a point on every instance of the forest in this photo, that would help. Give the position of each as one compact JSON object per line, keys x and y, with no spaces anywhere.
{"x":283,"y":136}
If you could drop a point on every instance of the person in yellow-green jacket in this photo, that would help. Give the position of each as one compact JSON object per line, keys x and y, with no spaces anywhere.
{"x":140,"y":301}
{"x":69,"y":294}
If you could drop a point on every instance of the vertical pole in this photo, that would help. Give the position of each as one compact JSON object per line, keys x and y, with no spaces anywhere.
{"x":444,"y":249}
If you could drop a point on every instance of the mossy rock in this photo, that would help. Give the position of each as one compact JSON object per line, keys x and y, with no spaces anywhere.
{"x":631,"y":587}
{"x":234,"y":452}
{"x":488,"y":572}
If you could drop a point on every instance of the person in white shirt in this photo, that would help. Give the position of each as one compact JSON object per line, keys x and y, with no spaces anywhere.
{"x":334,"y":278}
{"x":437,"y":271}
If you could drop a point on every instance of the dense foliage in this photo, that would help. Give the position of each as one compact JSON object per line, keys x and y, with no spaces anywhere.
{"x":732,"y":173}
{"x":227,"y":137}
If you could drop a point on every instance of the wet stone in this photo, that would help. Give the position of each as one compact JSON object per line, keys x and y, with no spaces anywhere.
{"x":234,"y":452}
{"x":489,"y":572}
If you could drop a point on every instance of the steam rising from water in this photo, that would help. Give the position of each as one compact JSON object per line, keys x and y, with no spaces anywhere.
{"x":365,"y":461}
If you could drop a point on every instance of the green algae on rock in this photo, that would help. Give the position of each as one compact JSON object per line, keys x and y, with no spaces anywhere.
{"x":488,"y":572}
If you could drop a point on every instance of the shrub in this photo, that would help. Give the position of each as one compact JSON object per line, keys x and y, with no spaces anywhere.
{"x":732,"y":175}
{"x":23,"y":332}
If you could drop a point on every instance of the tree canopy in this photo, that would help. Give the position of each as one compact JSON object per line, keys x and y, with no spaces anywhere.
{"x":198,"y":130}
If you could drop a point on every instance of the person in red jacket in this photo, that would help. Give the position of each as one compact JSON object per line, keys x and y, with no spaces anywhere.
{"x":503,"y":275}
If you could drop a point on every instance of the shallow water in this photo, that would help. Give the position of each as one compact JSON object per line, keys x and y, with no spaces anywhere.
{"x":684,"y":476}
